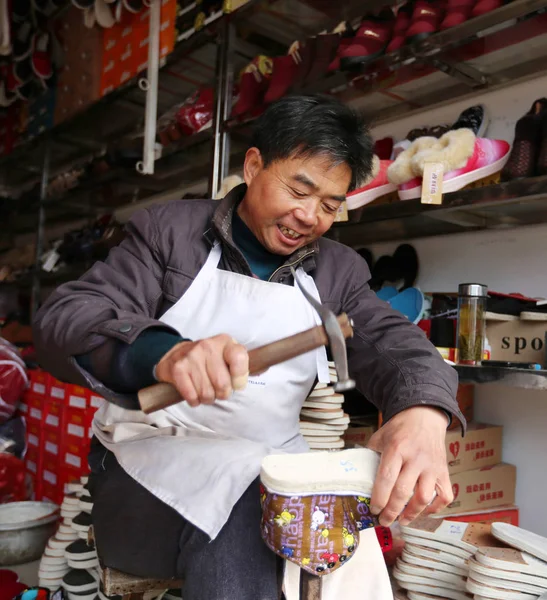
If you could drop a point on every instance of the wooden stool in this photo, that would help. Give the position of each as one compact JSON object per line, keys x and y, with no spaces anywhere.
{"x":130,"y":587}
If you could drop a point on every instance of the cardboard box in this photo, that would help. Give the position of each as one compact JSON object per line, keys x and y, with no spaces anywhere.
{"x":77,"y":397}
{"x":52,"y":443}
{"x":39,"y":382}
{"x":75,"y":453}
{"x":77,"y":423}
{"x":504,"y":514}
{"x":480,"y":448}
{"x":465,"y":397}
{"x":35,"y":408}
{"x":359,"y":433}
{"x":517,"y":340}
{"x":57,"y":390}
{"x":53,"y":416}
{"x":483,"y":488}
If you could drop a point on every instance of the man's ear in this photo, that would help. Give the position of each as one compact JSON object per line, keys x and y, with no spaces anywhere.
{"x":253,"y":165}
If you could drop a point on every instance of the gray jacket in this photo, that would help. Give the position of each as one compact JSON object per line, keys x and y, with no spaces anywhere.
{"x":393,"y":363}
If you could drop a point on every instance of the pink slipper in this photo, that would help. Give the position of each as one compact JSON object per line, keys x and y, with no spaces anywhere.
{"x":378,"y":187}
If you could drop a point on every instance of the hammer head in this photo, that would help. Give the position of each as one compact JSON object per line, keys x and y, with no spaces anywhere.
{"x":337,"y":342}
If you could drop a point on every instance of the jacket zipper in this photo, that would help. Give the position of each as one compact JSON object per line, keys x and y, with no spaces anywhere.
{"x":285,"y":266}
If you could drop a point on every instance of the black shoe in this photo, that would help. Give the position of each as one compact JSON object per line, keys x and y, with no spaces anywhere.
{"x":22,"y":41}
{"x":473,"y":118}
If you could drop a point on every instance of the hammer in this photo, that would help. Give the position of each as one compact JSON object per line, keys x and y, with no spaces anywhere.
{"x":333,"y":331}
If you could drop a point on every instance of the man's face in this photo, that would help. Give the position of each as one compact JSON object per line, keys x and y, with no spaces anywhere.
{"x":291,"y":202}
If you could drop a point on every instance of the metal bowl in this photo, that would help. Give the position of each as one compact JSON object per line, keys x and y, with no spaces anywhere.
{"x":25,"y":528}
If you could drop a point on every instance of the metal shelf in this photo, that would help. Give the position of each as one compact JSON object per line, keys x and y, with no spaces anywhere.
{"x":521,"y":378}
{"x":502,"y":206}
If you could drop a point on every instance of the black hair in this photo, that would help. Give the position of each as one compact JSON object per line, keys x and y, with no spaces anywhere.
{"x":314,"y":125}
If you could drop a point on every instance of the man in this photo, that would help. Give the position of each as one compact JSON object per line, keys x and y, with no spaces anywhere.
{"x":194,"y":285}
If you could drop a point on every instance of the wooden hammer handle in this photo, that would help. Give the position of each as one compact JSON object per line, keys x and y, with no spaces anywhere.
{"x":162,"y":395}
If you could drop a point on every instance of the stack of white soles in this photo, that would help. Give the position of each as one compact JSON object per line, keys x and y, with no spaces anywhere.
{"x":471,"y":561}
{"x":68,"y":560}
{"x":516,"y":573}
{"x":322,"y":418}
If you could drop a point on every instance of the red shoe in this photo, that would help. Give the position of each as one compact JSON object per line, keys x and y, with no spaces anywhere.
{"x":345,"y":43}
{"x":325,"y":52}
{"x":485,"y":6}
{"x":402,"y":23}
{"x":284,"y":73}
{"x":426,"y":19}
{"x":253,"y":85}
{"x":457,"y":12}
{"x":383,"y":148}
{"x":371,"y":40}
{"x":378,"y":187}
{"x":41,"y":61}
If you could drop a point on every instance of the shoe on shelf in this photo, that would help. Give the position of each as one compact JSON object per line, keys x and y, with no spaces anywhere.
{"x":22,"y":70}
{"x":377,"y":187}
{"x":485,"y":6}
{"x":370,"y":41}
{"x":525,"y":153}
{"x":435,"y":131}
{"x":325,"y":52}
{"x":426,"y":20}
{"x":457,"y":12}
{"x":466,"y":160}
{"x":284,"y":73}
{"x":383,"y":148}
{"x":402,"y":23}
{"x":541,"y":165}
{"x":104,"y":15}
{"x":22,"y":41}
{"x":474,"y":118}
{"x":40,"y":60}
{"x":253,"y":85}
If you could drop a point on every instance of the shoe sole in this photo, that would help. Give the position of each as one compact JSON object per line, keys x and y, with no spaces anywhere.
{"x":351,"y":472}
{"x":362,"y":199}
{"x":461,"y":181}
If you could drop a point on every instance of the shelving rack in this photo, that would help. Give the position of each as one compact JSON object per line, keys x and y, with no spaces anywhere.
{"x":507,"y":44}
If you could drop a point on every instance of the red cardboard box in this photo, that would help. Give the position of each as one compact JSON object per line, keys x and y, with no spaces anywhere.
{"x":34,"y":434}
{"x":52,"y":444}
{"x":70,"y":475}
{"x":51,"y":479}
{"x":483,"y":488}
{"x":480,"y":448}
{"x":35,"y":408}
{"x":77,"y":396}
{"x":503,"y":514}
{"x":53,"y":415}
{"x":39,"y":382}
{"x":57,"y":390}
{"x":32,"y":461}
{"x":77,"y":423}
{"x":75,"y":453}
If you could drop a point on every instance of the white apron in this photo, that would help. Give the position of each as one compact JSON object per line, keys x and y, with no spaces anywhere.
{"x":200,"y":460}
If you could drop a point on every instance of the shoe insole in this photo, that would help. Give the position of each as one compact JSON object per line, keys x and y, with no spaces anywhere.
{"x":83,"y":564}
{"x":509,"y":559}
{"x":521,"y":539}
{"x":328,"y":391}
{"x":328,"y":421}
{"x":468,"y":536}
{"x":436,"y":545}
{"x":79,"y":580}
{"x":485,"y":591}
{"x":321,"y":439}
{"x":321,"y":405}
{"x":427,"y":577}
{"x":424,"y":596}
{"x":54,"y":571}
{"x":56,"y":543}
{"x":52,"y":560}
{"x":510,"y":576}
{"x":70,"y":501}
{"x":322,"y":413}
{"x":412,"y":559}
{"x":84,"y":596}
{"x":326,"y":445}
{"x":321,"y":433}
{"x":307,"y":427}
{"x":436,"y":591}
{"x":496,"y":582}
{"x":348,"y":472}
{"x":326,"y":401}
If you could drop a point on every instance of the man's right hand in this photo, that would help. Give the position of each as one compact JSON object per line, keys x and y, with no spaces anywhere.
{"x":206,"y":370}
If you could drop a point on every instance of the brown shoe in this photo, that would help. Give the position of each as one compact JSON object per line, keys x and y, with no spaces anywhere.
{"x":526,"y":146}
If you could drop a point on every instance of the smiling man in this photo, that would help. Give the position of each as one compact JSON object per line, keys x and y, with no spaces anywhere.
{"x":191,"y":288}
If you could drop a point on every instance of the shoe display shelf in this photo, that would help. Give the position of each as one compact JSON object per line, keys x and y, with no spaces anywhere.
{"x":518,"y":378}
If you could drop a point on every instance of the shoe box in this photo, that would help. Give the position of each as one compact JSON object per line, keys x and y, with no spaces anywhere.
{"x":480,"y":489}
{"x":517,"y":339}
{"x":125,"y":46}
{"x":465,"y":397}
{"x":481,"y":447}
{"x":504,"y":514}
{"x":59,"y":418}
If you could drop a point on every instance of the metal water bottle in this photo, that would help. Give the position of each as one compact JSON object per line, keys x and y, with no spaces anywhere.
{"x":471,"y":323}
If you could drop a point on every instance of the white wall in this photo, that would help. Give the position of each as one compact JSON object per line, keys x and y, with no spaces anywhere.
{"x":507,"y":261}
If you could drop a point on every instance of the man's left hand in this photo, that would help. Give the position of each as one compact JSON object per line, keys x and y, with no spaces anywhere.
{"x":413,"y":465}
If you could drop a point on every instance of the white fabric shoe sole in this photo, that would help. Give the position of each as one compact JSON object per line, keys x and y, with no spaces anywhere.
{"x":491,"y":593}
{"x":350,"y":472}
{"x":436,"y":545}
{"x":508,"y":559}
{"x":477,"y":570}
{"x":412,"y":559}
{"x":521,"y":539}
{"x":456,"y":583}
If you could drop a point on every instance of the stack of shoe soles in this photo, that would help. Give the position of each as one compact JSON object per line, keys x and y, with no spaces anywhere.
{"x":322,"y":419}
{"x":516,"y":573}
{"x":69,"y":561}
{"x":435,"y":561}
